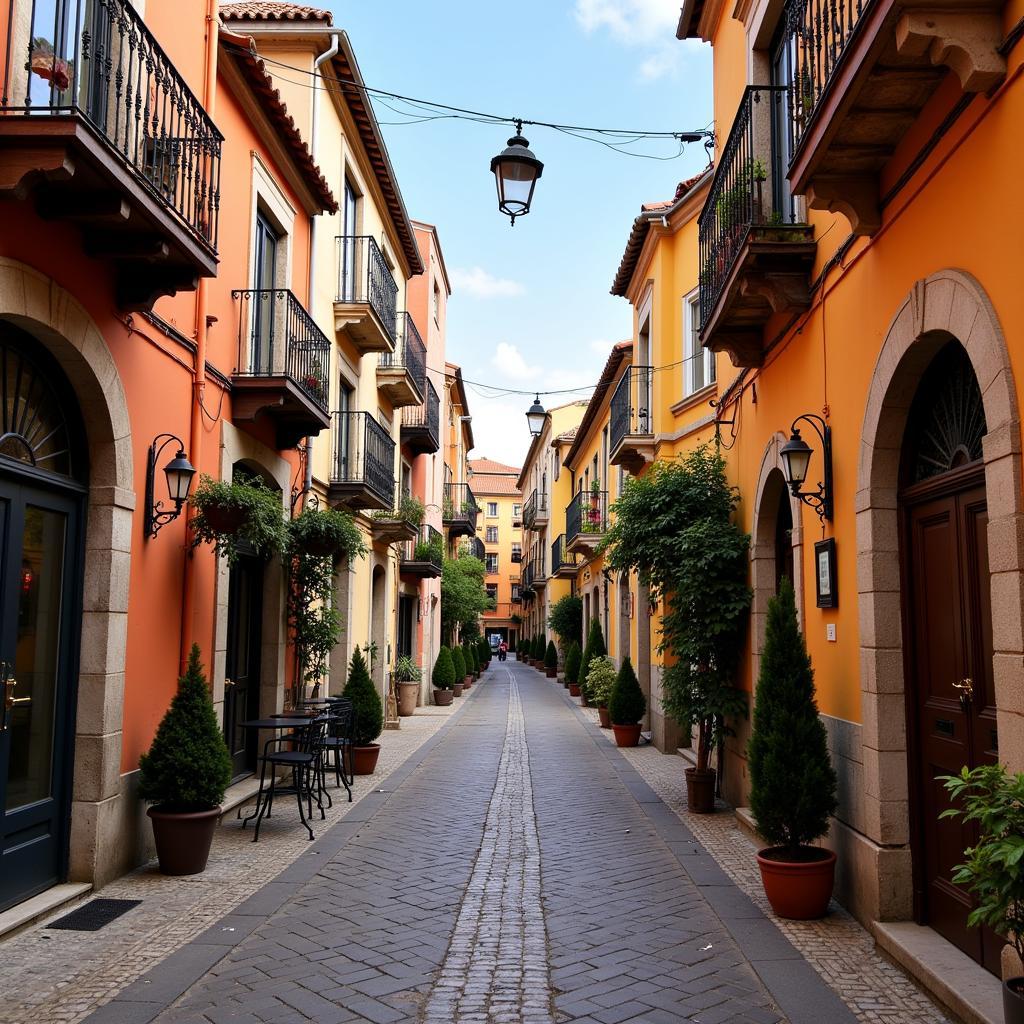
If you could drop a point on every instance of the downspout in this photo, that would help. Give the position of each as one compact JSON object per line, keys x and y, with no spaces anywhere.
{"x":201,"y":332}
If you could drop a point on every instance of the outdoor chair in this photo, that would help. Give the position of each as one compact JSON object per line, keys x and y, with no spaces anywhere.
{"x":335,"y":749}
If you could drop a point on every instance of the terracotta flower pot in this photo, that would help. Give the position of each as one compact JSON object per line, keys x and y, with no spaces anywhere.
{"x":700,"y":790}
{"x":183,"y":840}
{"x":626,"y":735}
{"x":574,"y":689}
{"x":606,"y":722}
{"x":408,"y":694}
{"x":798,"y":890}
{"x":551,"y":673}
{"x":467,"y":683}
{"x":224,"y":518}
{"x":1013,"y":1001}
{"x":443,"y":698}
{"x":364,"y":759}
{"x":457,"y":689}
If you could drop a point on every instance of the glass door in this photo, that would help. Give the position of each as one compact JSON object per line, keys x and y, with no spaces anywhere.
{"x":262,"y":355}
{"x":242,"y":677}
{"x":348,"y":250}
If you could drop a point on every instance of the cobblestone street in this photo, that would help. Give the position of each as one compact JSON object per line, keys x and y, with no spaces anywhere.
{"x":515,"y":868}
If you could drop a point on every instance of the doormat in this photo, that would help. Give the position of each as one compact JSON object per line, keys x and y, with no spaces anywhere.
{"x":95,"y":915}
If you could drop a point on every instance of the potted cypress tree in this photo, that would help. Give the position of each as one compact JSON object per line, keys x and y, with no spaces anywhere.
{"x":595,"y":649}
{"x":185,"y":774}
{"x":551,"y":661}
{"x":572,"y":666}
{"x":626,"y":706}
{"x":443,"y":678}
{"x":600,"y":681}
{"x":469,"y":656}
{"x":368,"y":715}
{"x":792,"y":782}
{"x":459,"y":661}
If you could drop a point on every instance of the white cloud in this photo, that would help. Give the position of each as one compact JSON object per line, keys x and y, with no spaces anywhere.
{"x":511,"y":365}
{"x":499,"y":429}
{"x":478,"y":282}
{"x":601,"y":347}
{"x":643,"y":24}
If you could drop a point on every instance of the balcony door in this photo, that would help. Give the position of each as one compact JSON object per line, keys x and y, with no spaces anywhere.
{"x":783,"y":65}
{"x":261,"y":358}
{"x":349,"y":211}
{"x":346,"y":432}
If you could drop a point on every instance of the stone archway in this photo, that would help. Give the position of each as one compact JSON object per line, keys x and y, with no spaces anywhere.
{"x":947,"y":305}
{"x":378,"y":625}
{"x":45,"y":310}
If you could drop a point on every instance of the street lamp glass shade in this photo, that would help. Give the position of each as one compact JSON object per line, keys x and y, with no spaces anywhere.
{"x":796,"y":458}
{"x":516,"y":171}
{"x":179,"y":473}
{"x":535,"y":417}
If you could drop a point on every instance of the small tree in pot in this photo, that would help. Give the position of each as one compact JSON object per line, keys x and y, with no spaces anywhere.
{"x":368,"y":715}
{"x":551,"y":660}
{"x":626,"y":706}
{"x":595,"y":649}
{"x":792,"y":782}
{"x":443,"y":678}
{"x":572,"y":665}
{"x":469,"y":657}
{"x":185,"y":774}
{"x":459,"y":661}
{"x":600,"y":680}
{"x":566,"y":619}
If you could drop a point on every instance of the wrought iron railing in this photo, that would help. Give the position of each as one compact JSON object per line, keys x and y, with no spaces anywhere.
{"x":526,"y":582}
{"x":364,"y":454}
{"x":539,"y":561}
{"x":460,"y":506}
{"x":535,"y":506}
{"x":517,"y":557}
{"x":632,"y":404}
{"x":475,"y":547}
{"x":364,"y":276}
{"x":427,"y":547}
{"x":410,"y":353}
{"x":586,"y":514}
{"x":426,"y":416}
{"x":749,"y":188}
{"x":560,"y":558}
{"x":280,"y":339}
{"x":96,"y":59}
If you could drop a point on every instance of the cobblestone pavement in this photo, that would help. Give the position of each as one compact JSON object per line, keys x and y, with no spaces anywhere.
{"x":422,"y":903}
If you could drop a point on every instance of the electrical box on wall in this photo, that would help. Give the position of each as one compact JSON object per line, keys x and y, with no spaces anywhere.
{"x":830,"y":632}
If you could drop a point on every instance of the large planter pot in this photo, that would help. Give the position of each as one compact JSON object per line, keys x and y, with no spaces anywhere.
{"x":551,"y":673}
{"x":1013,"y":1001}
{"x":574,"y":689}
{"x":408,"y":694}
{"x":457,"y":689}
{"x":606,"y":722}
{"x":183,"y":840}
{"x":467,"y":682}
{"x":798,"y":890}
{"x":224,"y":518}
{"x":700,"y":790}
{"x":443,"y":698}
{"x":364,"y":759}
{"x":626,"y":735}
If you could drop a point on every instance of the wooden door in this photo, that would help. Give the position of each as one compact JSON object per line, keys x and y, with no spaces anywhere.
{"x":245,"y":641}
{"x":949,"y":668}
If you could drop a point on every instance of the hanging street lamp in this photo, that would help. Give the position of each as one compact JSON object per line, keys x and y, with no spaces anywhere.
{"x":516,"y":171}
{"x":535,"y":417}
{"x":796,"y":460}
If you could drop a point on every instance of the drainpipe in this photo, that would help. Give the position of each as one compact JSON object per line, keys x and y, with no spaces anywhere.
{"x":199,"y":373}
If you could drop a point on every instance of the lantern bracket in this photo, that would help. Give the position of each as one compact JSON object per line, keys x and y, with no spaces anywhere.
{"x":155,"y":515}
{"x":821,"y":499}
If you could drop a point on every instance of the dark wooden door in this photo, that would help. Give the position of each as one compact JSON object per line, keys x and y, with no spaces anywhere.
{"x":949,"y":666}
{"x":242,"y":677}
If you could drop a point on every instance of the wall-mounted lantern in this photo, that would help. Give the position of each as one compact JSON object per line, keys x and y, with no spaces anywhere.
{"x":179,"y":473}
{"x":796,"y":459}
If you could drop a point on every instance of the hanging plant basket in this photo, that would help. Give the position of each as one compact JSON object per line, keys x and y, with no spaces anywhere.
{"x":225,"y":513}
{"x":225,"y":519}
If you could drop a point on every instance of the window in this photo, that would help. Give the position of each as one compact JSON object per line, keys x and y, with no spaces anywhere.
{"x":492,"y":564}
{"x":492,"y":535}
{"x":515,"y":591}
{"x":492,"y":508}
{"x":698,"y":362}
{"x":517,"y":552}
{"x":517,"y":511}
{"x":492,"y":591}
{"x":435,"y":302}
{"x":349,"y":230}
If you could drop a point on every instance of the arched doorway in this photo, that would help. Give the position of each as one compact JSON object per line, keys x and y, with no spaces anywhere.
{"x":378,"y":627}
{"x":43,"y":483}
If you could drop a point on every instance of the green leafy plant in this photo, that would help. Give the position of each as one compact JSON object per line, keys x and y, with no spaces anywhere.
{"x":993,"y":871}
{"x":323,"y":533}
{"x":551,"y":655}
{"x":459,"y":661}
{"x":430,"y":550}
{"x":595,"y":649}
{"x":595,"y":486}
{"x":600,"y":680}
{"x":469,"y":656}
{"x":573,"y":657}
{"x":626,"y":703}
{"x":226,"y":512}
{"x":759,"y":172}
{"x":673,"y":527}
{"x":366,"y":702}
{"x":792,"y":782}
{"x":443,"y":676}
{"x":483,"y":653}
{"x":410,"y":510}
{"x":463,"y":594}
{"x":566,"y":618}
{"x":407,"y":671}
{"x":188,"y":766}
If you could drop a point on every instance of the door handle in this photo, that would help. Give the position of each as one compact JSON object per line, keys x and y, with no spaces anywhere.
{"x":10,"y":701}
{"x":966,"y":688}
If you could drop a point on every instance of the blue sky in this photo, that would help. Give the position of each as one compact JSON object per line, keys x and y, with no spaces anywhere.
{"x":530,"y":306}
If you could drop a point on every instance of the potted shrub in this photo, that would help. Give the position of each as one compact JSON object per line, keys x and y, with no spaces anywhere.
{"x":572,"y":666}
{"x":551,"y":661}
{"x":485,"y":654}
{"x":469,"y":657}
{"x":792,"y":782}
{"x":322,"y":532}
{"x":459,"y":661}
{"x":225,"y":512}
{"x":443,"y":678}
{"x":626,"y":706}
{"x":185,"y":774}
{"x":994,"y":869}
{"x":368,"y":715}
{"x":600,"y":681}
{"x":595,"y":649}
{"x":566,"y":619}
{"x":407,"y":677}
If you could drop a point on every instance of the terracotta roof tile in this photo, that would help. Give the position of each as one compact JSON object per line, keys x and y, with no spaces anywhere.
{"x":269,"y":11}
{"x":485,"y":465}
{"x":494,"y":484}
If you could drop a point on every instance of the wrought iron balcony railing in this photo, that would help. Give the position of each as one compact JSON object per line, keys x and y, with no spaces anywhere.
{"x":749,"y":190}
{"x":632,"y":405}
{"x":364,"y":277}
{"x":421,"y":424}
{"x":561,"y":559}
{"x":410,"y":354}
{"x":526,"y":585}
{"x":98,"y":60}
{"x":280,"y":339}
{"x":364,"y":458}
{"x":475,"y":547}
{"x":427,"y":550}
{"x":535,"y":509}
{"x":586,"y":515}
{"x":460,"y":509}
{"x":517,"y":557}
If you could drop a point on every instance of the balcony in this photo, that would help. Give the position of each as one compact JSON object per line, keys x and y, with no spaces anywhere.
{"x":474,"y":547}
{"x":402,"y":374}
{"x":517,"y":557}
{"x":98,"y":127}
{"x":421,"y":424}
{"x":423,"y":556}
{"x":535,"y":510}
{"x":526,"y":583}
{"x":864,"y":71}
{"x":395,"y":525}
{"x":539,"y":576}
{"x":363,"y":463}
{"x":366,"y":307}
{"x":631,"y":423}
{"x":460,"y":510}
{"x":283,"y":365}
{"x":586,"y":519}
{"x":755,"y":255}
{"x":563,"y":562}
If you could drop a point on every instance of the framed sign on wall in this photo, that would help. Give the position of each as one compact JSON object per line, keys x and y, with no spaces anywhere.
{"x":825,"y":573}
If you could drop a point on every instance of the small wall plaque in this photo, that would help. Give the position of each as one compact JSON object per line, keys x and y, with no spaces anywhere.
{"x":825,"y":573}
